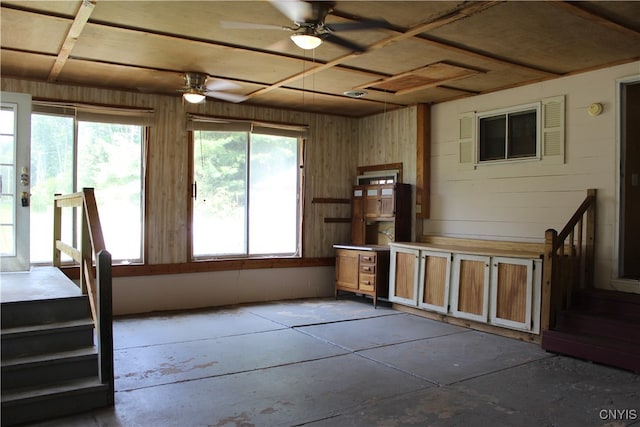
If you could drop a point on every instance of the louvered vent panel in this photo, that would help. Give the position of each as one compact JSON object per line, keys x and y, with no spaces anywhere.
{"x":466,"y":127}
{"x":552,"y":116}
{"x":552,"y":143}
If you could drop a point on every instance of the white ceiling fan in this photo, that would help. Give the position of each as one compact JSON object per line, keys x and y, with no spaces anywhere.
{"x":309,"y":27}
{"x":197,"y":86}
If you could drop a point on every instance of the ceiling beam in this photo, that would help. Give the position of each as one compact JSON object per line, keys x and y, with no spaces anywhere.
{"x":460,"y":13}
{"x":591,"y":16}
{"x":79,"y":22}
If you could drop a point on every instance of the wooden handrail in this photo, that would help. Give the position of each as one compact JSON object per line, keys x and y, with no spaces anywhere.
{"x":569,"y":258}
{"x":94,"y":281}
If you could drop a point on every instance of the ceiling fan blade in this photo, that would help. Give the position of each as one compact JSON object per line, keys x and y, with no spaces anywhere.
{"x":234,"y":25}
{"x":360,"y":25}
{"x":225,"y":96}
{"x":296,"y":10}
{"x":343,"y":42}
{"x":220,"y":84}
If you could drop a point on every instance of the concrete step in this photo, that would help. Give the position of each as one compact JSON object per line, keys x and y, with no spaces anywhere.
{"x":39,"y":403}
{"x":49,"y":368}
{"x":48,"y":338}
{"x":37,"y":312}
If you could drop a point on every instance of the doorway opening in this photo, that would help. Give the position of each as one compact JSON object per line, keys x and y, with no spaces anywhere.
{"x":629,"y":237}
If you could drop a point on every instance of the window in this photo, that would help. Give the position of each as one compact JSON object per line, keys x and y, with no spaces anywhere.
{"x":72,"y":148}
{"x":506,"y":135}
{"x":533,"y":131}
{"x":246,"y":191}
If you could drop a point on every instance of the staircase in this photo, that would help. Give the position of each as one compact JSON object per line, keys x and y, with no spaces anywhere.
{"x":601,"y":326}
{"x":50,"y":364}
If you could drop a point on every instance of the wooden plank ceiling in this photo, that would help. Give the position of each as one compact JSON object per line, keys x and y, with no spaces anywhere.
{"x":429,"y":53}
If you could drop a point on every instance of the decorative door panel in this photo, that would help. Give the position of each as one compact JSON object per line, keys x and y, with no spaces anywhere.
{"x":403,"y":275}
{"x":435,"y":270}
{"x":470,"y":297}
{"x":511,"y":292}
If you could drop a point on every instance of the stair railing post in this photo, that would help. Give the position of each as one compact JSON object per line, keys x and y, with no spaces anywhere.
{"x":590,"y":243}
{"x":547,"y":309}
{"x":85,"y":249}
{"x":105,"y":325}
{"x":57,"y":230}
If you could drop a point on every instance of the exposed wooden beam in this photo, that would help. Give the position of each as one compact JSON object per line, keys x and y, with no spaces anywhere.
{"x":79,"y":22}
{"x":461,"y":13}
{"x":594,"y":17}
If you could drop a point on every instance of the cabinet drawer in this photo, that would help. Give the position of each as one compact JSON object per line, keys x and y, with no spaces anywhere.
{"x":368,"y":258}
{"x":368,"y":268}
{"x":367,"y":282}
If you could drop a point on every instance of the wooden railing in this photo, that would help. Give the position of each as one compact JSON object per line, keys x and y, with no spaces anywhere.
{"x":95,"y":272}
{"x":569,"y":258}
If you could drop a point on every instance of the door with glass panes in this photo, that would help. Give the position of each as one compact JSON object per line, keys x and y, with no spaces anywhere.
{"x":15,"y":174}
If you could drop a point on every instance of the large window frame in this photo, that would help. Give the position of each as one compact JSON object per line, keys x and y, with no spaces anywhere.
{"x":85,"y":116}
{"x":252,"y":132}
{"x":499,"y":134}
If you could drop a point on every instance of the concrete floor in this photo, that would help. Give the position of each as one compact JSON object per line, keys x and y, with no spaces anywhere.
{"x":343,"y":363}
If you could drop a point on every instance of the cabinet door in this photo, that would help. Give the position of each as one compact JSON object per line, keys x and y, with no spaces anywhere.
{"x":357,"y":216}
{"x":387,"y":202}
{"x":511,"y":292}
{"x":372,"y":201}
{"x":435,"y":269}
{"x":470,"y":298}
{"x":403,"y":276}
{"x":347,"y":263}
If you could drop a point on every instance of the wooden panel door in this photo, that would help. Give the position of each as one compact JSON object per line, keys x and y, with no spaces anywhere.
{"x":403,"y":277}
{"x":357,"y":216}
{"x":435,"y":270}
{"x":347,"y":263}
{"x":372,"y":202}
{"x":470,"y":299}
{"x":387,"y":201}
{"x":511,"y":292}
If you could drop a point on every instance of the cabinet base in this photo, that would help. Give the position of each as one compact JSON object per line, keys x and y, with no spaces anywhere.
{"x":471,"y":324}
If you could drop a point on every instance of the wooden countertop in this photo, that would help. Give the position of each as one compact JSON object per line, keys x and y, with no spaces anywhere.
{"x":377,"y":248}
{"x":471,"y":249}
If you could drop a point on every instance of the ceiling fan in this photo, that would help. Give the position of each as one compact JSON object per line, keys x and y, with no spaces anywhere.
{"x":197,"y":86}
{"x":309,"y":27}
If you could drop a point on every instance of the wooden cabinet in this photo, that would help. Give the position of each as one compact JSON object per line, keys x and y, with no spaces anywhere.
{"x":512,"y":282}
{"x":358,"y":226}
{"x":404,"y":270}
{"x":381,"y":213}
{"x":362,"y":270}
{"x":470,"y":293}
{"x":489,"y":288}
{"x":434,"y":278}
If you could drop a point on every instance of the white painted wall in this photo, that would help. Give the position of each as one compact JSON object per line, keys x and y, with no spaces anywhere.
{"x":132,"y":295}
{"x":519,"y":201}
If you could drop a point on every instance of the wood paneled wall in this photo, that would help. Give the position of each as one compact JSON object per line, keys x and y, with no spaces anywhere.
{"x":331,"y":159}
{"x":391,"y":137}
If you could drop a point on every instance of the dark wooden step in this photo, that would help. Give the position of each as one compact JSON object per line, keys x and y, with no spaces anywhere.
{"x":49,"y":338}
{"x":40,"y":403}
{"x":612,"y":352}
{"x":49,"y":368}
{"x":619,"y":305}
{"x":37,"y":312}
{"x":589,"y":323}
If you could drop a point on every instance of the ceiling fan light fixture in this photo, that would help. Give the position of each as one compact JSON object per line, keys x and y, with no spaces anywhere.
{"x":306,"y":41}
{"x":193,"y":97}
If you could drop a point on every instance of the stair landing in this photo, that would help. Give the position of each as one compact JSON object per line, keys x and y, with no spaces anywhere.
{"x":37,"y":284}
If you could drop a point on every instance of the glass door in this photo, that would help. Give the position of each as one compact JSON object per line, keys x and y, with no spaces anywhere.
{"x":15,"y":134}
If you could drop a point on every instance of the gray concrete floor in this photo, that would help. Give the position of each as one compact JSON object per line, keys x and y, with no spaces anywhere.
{"x":327,"y":362}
